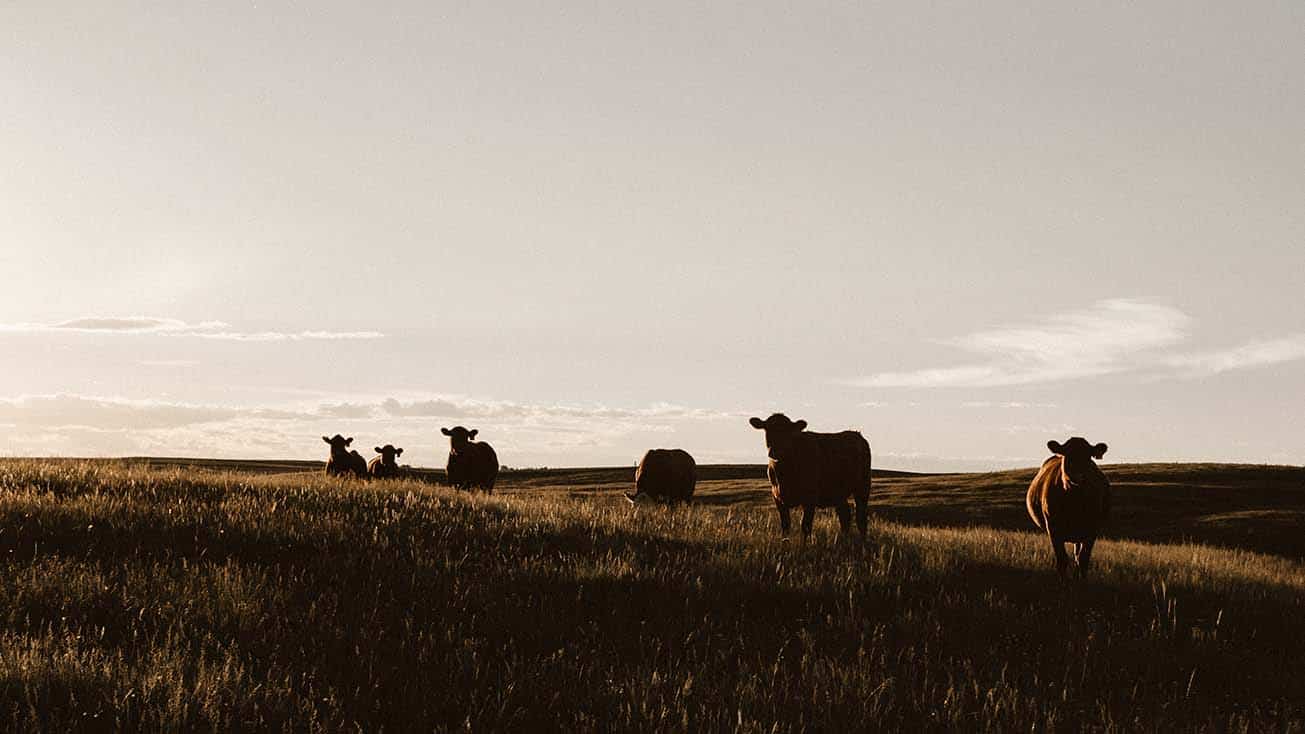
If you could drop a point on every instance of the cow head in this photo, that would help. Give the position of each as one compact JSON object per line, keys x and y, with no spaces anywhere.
{"x":388,"y":453}
{"x":1078,"y":455}
{"x":339,"y":444}
{"x":459,"y":437}
{"x":780,"y":434}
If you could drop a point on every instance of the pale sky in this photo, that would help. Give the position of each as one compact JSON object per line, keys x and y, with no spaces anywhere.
{"x":592,"y":229}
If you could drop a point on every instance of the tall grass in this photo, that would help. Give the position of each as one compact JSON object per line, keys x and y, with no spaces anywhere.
{"x":137,"y":598}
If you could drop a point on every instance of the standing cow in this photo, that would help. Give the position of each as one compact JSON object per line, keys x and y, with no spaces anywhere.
{"x":472,"y":465}
{"x":385,"y":466}
{"x":343,"y":462}
{"x":1070,"y":500}
{"x":811,"y":470}
{"x":665,"y":474}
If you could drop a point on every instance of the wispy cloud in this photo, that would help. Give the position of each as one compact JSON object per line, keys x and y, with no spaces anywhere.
{"x":281,"y":336}
{"x":1110,"y":337}
{"x":161,"y":326}
{"x":130,"y":325}
{"x":472,"y":408}
{"x":86,"y":424}
{"x":113,"y":412}
{"x":66,"y":410}
{"x":1102,"y":339}
{"x":1261,"y":353}
{"x":1009,"y":405}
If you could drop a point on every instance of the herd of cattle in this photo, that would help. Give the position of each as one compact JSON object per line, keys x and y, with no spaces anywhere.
{"x":1068,"y":499}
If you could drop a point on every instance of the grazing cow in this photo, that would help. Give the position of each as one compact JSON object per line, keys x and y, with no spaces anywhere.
{"x":384,"y":466}
{"x":665,"y":474}
{"x":471,"y":465}
{"x":343,"y":462}
{"x":1070,"y":500}
{"x":811,"y":470}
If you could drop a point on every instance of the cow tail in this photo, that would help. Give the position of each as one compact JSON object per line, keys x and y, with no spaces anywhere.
{"x":869,"y":466}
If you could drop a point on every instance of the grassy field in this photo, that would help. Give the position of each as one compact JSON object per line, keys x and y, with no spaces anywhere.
{"x":167,"y":595}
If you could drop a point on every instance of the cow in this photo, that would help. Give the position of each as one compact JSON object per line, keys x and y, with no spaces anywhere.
{"x":665,"y":474}
{"x":472,"y":465}
{"x":1069,"y":499}
{"x":343,"y":462}
{"x":811,"y":470}
{"x":384,"y":466}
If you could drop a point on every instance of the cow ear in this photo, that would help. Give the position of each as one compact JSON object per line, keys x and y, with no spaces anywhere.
{"x":348,"y":441}
{"x":757,"y":423}
{"x":398,"y":452}
{"x":1055,"y":447}
{"x":324,"y":438}
{"x":801,"y":425}
{"x":446,"y":432}
{"x":472,"y":433}
{"x":1099,"y":450}
{"x":377,"y":449}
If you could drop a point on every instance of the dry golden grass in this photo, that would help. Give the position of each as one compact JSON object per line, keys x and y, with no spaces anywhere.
{"x":166,"y":598}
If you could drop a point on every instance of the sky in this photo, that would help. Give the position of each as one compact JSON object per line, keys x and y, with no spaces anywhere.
{"x":590,"y":229}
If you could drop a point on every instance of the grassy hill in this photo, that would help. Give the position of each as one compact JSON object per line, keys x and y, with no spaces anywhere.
{"x":1254,"y":507}
{"x":164,"y":595}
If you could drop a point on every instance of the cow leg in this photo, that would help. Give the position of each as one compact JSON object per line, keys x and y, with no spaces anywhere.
{"x":844,"y":519}
{"x":1083,"y":554}
{"x":808,"y":519}
{"x":1062,"y":558}
{"x":862,"y":513}
{"x":784,"y":523}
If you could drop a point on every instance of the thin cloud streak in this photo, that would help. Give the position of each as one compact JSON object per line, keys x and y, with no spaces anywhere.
{"x":1261,"y":353}
{"x":1111,"y":337}
{"x":132,"y":324}
{"x":78,"y":424}
{"x":64,"y":409}
{"x":162,"y":326}
{"x":110,"y":413}
{"x":280,"y":336}
{"x":1103,"y":339}
{"x":1009,"y":405}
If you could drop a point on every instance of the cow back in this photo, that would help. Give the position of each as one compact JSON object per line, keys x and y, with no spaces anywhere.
{"x":823,"y":470}
{"x":669,"y":473}
{"x":357,"y":464}
{"x":845,"y":465}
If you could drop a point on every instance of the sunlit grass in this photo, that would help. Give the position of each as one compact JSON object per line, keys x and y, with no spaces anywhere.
{"x":173,"y":599}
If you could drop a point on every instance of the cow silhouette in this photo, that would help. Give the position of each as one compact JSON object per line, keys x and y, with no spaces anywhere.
{"x":343,"y":462}
{"x":811,"y":470}
{"x":665,"y":474}
{"x":472,"y":465}
{"x":1069,"y":499}
{"x":385,"y":466}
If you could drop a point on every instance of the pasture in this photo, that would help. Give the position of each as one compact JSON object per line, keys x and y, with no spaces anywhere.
{"x":227,"y":596}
